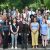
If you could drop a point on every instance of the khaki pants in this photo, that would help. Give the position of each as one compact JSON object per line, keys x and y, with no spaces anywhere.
{"x":34,"y":36}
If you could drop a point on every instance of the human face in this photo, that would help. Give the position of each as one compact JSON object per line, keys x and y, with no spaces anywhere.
{"x":35,"y":20}
{"x":39,"y":12}
{"x":13,"y":8}
{"x":44,"y":20}
{"x":4,"y":11}
{"x":26,"y":8}
{"x":16,"y":10}
{"x":23,"y":11}
{"x":14,"y":21}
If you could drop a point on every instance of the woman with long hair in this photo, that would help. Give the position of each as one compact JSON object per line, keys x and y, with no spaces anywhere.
{"x":43,"y":29}
{"x":14,"y":29}
{"x":34,"y":26}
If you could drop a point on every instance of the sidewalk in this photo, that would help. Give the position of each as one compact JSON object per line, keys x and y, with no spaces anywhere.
{"x":27,"y":49}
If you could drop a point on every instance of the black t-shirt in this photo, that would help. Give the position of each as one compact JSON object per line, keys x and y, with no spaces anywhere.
{"x":20,"y":27}
{"x":25,"y":28}
{"x":14,"y":27}
{"x":6,"y":28}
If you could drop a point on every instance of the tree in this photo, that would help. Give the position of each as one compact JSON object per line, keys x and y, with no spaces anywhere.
{"x":1,"y":1}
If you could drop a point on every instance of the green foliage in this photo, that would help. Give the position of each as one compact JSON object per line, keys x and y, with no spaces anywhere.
{"x":47,"y":3}
{"x":2,"y":1}
{"x":20,"y":4}
{"x":17,"y":3}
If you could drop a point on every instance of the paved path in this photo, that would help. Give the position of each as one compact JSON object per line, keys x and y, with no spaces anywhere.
{"x":27,"y":49}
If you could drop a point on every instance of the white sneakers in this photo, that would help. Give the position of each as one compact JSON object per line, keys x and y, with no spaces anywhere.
{"x":13,"y":47}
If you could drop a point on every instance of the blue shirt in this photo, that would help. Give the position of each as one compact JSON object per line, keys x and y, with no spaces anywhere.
{"x":34,"y":26}
{"x":39,"y":19}
{"x":44,"y":29}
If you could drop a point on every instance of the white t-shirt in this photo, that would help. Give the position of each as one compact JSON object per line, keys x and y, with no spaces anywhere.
{"x":31,"y":12}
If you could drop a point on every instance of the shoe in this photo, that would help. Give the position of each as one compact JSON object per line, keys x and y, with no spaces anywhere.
{"x":33,"y":47}
{"x":36,"y":46}
{"x":12,"y":47}
{"x":15,"y":47}
{"x":43,"y":46}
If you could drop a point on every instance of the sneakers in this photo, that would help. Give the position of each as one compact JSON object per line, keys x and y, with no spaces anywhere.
{"x":36,"y":46}
{"x":15,"y":47}
{"x":12,"y":47}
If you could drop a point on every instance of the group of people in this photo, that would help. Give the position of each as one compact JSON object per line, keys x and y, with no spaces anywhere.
{"x":14,"y":23}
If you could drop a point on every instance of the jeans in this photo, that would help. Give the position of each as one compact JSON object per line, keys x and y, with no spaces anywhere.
{"x":14,"y":39}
